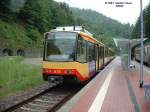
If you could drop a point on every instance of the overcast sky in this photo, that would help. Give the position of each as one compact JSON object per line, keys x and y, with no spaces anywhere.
{"x":126,"y":14}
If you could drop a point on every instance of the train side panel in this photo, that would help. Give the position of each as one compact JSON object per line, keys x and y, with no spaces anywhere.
{"x":80,"y":70}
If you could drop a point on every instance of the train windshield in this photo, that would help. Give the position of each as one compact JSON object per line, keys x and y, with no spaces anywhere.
{"x":60,"y":46}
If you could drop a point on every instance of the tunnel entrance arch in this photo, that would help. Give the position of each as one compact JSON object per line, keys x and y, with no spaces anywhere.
{"x":20,"y":52}
{"x":7,"y":52}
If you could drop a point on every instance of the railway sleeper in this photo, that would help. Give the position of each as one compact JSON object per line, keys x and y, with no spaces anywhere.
{"x":32,"y":109}
{"x":43,"y":105}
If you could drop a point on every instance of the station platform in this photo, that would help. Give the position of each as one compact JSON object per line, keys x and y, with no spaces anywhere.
{"x":114,"y":89}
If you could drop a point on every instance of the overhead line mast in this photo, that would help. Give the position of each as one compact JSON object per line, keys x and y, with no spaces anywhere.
{"x":141,"y":64}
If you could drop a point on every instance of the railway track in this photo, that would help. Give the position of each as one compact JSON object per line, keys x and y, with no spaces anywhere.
{"x":47,"y":101}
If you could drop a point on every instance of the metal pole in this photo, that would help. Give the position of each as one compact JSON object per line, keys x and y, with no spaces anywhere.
{"x":129,"y":52}
{"x":141,"y":64}
{"x":128,"y":55}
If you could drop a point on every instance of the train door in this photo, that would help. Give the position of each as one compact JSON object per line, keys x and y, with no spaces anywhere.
{"x":106,"y":56}
{"x":81,"y":50}
{"x":101,"y":57}
{"x":96,"y":57}
{"x":91,"y":58}
{"x":99,"y":61}
{"x":148,"y":55}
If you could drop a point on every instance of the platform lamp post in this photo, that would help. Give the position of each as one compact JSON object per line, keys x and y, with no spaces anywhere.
{"x":141,"y":64}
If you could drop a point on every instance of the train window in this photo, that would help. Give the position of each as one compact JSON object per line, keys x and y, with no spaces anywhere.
{"x":81,"y":50}
{"x":101,"y":52}
{"x":106,"y":52}
{"x":96,"y":52}
{"x":145,"y":51}
{"x":59,"y":46}
{"x":91,"y":51}
{"x":149,"y":49}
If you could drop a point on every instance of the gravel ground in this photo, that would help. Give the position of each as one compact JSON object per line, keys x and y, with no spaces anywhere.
{"x":13,"y":100}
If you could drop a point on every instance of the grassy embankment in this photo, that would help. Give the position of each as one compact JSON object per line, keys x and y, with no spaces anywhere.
{"x":16,"y":77}
{"x":15,"y":35}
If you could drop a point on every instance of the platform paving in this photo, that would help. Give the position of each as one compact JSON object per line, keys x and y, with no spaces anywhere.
{"x":115,"y":89}
{"x":133,"y":76}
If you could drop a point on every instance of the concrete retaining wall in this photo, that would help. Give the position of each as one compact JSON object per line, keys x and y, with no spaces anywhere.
{"x":27,"y":52}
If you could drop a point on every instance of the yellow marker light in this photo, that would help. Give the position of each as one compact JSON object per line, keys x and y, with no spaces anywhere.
{"x":70,"y":71}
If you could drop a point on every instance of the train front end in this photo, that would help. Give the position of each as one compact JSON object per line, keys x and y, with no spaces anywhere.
{"x":59,"y":58}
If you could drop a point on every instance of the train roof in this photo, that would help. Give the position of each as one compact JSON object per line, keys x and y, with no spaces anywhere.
{"x":80,"y":30}
{"x":90,"y":38}
{"x":73,"y":28}
{"x":145,"y":42}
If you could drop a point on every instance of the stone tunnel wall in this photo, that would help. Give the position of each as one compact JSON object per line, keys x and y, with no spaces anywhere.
{"x":34,"y":52}
{"x":27,"y":52}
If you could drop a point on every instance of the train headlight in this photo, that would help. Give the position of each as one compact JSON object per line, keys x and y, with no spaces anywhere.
{"x":45,"y":70}
{"x":70,"y":72}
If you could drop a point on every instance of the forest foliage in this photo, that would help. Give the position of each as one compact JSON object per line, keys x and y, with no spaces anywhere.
{"x":146,"y":18}
{"x":24,"y":21}
{"x":104,"y":28}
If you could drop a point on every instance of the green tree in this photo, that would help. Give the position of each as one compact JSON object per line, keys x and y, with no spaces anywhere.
{"x":4,"y":6}
{"x":104,"y":28}
{"x":146,"y":17}
{"x":37,"y":13}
